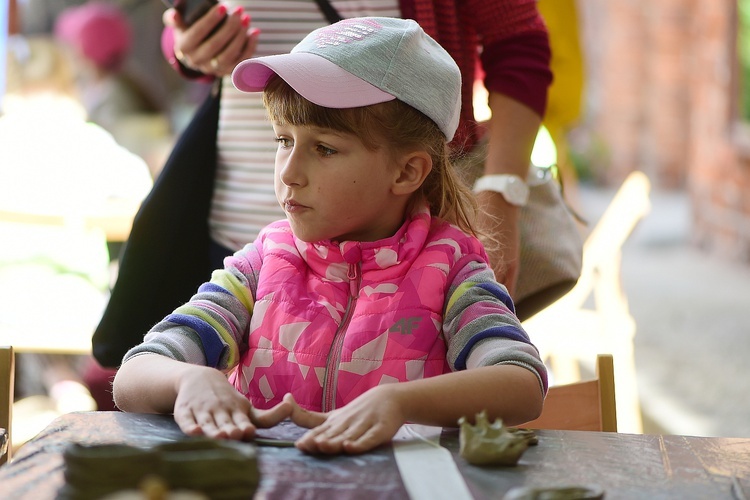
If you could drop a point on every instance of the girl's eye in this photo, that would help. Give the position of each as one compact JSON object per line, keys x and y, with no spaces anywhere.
{"x":325,"y":152}
{"x":283,"y":142}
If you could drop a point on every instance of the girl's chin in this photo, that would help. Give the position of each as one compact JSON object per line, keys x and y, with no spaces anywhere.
{"x":304,"y":234}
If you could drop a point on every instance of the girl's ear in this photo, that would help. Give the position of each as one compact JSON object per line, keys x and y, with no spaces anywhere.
{"x":413,"y":170}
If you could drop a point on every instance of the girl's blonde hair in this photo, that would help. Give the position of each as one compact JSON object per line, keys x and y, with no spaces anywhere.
{"x":392,"y":123}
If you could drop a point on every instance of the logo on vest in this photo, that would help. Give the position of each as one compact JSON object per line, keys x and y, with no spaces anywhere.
{"x":405,"y":326}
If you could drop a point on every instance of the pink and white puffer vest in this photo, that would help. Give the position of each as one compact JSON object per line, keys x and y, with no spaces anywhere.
{"x":332,"y":320}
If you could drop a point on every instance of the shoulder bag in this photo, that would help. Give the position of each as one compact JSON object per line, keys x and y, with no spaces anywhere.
{"x":551,"y":244}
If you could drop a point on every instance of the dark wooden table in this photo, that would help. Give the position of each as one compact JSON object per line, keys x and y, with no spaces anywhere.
{"x":623,"y":465}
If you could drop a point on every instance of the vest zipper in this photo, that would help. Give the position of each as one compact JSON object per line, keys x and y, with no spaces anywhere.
{"x":334,"y":355}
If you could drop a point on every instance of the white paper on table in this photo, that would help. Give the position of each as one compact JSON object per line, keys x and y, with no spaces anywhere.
{"x":427,"y":469}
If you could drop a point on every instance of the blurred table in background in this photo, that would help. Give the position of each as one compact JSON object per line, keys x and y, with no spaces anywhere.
{"x":55,"y":275}
{"x":114,"y":218}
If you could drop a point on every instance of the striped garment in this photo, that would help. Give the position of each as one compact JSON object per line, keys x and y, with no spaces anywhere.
{"x":327,"y":321}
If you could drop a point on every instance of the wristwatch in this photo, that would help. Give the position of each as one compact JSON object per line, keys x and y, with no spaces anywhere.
{"x":512,"y":187}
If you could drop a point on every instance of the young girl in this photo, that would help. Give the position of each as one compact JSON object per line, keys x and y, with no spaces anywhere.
{"x":372,"y":304}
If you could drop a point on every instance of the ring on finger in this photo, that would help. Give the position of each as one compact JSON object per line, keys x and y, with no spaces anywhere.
{"x":215,"y":64}
{"x":183,"y":59}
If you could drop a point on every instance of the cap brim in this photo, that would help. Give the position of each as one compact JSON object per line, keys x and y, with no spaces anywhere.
{"x":314,"y":77}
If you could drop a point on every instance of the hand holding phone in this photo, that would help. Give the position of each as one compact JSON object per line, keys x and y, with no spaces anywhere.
{"x":195,"y":47}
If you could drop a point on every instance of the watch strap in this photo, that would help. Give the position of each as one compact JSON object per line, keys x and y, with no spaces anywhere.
{"x":512,"y":187}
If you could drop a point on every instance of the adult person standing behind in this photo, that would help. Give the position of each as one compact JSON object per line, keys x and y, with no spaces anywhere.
{"x":510,"y":38}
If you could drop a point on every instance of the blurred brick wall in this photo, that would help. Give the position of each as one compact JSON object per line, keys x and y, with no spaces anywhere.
{"x":719,"y":167}
{"x":660,"y":98}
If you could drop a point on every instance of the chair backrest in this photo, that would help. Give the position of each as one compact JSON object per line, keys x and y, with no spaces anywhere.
{"x":7,"y":378}
{"x":594,"y":316}
{"x":582,"y":406}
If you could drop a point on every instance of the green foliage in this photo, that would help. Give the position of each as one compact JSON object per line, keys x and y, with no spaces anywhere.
{"x":743,"y":53}
{"x":589,"y":154}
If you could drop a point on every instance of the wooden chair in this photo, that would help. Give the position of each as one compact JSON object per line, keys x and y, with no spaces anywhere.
{"x":594,"y":316}
{"x":7,"y":378}
{"x":582,"y":406}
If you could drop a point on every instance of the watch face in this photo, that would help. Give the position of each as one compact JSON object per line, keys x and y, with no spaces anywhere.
{"x":517,"y":192}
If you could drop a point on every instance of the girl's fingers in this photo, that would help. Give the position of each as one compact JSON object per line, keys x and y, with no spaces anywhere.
{"x":230,"y":425}
{"x":224,"y":425}
{"x":208,"y":425}
{"x":333,"y":438}
{"x":244,"y":425}
{"x":272,"y":416}
{"x":302,"y":417}
{"x":365,"y":442}
{"x":187,"y":422}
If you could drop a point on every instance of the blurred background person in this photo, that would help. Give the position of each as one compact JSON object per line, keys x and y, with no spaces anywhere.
{"x":99,"y":36}
{"x":53,"y":157}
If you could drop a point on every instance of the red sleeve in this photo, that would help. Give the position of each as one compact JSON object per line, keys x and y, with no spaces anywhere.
{"x":167,"y":48}
{"x":519,"y":67}
{"x":496,"y":20}
{"x":515,"y":50}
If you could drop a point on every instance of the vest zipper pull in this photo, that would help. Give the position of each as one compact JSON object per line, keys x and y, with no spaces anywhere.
{"x":353,"y":275}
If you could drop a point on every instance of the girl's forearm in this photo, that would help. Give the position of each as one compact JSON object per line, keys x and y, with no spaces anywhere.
{"x":509,"y":392}
{"x":148,"y":383}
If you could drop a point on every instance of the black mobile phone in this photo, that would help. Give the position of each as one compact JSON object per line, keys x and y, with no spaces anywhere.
{"x":191,"y":10}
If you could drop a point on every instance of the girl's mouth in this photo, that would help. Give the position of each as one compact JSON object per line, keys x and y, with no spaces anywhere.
{"x":291,"y":206}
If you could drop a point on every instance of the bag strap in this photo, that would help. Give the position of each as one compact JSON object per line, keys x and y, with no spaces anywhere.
{"x":166,"y":256}
{"x":329,"y":11}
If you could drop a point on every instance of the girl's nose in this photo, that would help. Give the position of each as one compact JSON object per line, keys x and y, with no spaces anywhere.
{"x":291,"y":171}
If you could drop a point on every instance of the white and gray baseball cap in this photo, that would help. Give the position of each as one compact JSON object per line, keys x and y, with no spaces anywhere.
{"x":363,"y":61}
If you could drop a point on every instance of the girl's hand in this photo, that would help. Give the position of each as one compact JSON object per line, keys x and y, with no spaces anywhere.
{"x":213,"y":53}
{"x":369,"y":421}
{"x":208,"y":405}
